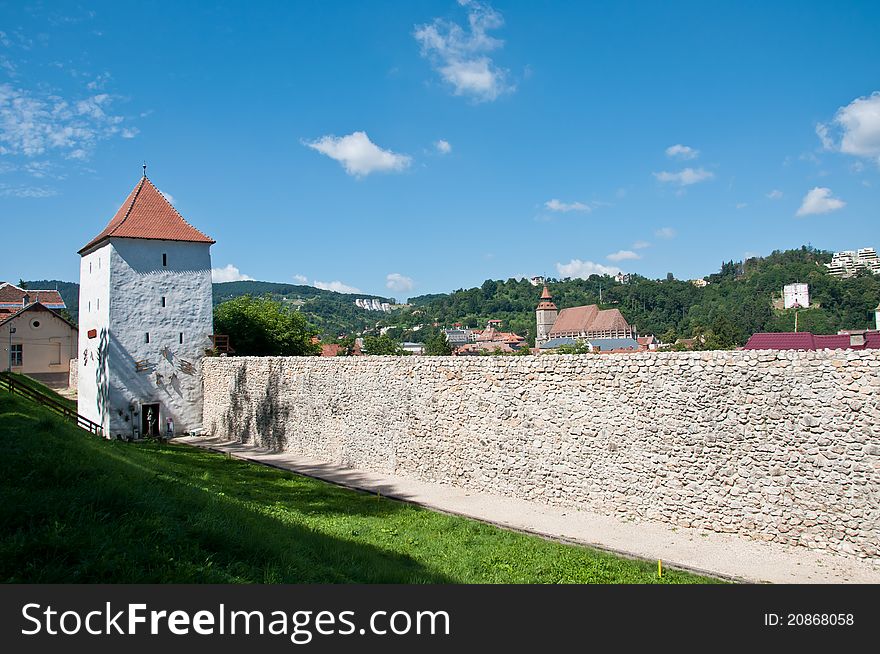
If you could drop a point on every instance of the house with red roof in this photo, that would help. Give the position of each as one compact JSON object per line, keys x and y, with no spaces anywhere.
{"x":848,"y":340}
{"x":36,"y":339}
{"x":145,"y":319}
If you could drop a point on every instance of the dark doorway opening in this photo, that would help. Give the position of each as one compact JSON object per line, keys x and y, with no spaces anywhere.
{"x":150,"y":420}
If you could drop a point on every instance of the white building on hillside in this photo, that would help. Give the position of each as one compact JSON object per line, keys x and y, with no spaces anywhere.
{"x":796,"y":296}
{"x":145,"y":319}
{"x":848,"y":262}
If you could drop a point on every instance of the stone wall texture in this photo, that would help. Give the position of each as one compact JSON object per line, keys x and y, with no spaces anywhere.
{"x":778,"y":446}
{"x":72,"y":374}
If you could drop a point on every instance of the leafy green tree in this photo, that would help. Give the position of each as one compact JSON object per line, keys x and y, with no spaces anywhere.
{"x":382,"y":345}
{"x":438,"y":345}
{"x":261,"y":326}
{"x":580,"y":346}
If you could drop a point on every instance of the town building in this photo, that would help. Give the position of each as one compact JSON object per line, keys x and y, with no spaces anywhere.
{"x":848,"y":340}
{"x":597,"y":345}
{"x":848,"y":262}
{"x":584,"y":322}
{"x":699,"y":283}
{"x":13,"y":299}
{"x":796,"y":296}
{"x":145,"y":319}
{"x":38,"y":341}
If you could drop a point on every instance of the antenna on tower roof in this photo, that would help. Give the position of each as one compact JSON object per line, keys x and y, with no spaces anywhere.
{"x":145,"y":168}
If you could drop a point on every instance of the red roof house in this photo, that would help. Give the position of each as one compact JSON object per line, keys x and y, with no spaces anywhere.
{"x":855,"y":340}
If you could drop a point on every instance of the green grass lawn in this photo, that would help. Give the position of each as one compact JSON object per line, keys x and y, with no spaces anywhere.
{"x":75,"y":508}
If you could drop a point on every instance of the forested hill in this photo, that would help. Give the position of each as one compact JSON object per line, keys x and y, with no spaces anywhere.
{"x":333,"y":313}
{"x":738,"y":301}
{"x":742,"y":298}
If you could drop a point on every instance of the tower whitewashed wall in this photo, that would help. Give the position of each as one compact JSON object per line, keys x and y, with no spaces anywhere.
{"x":145,"y":319}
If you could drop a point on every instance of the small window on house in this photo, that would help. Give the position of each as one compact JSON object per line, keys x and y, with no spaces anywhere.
{"x":147,"y":337}
{"x":164,"y":259}
{"x":163,"y":300}
{"x":15,"y":355}
{"x":90,"y":306}
{"x":90,"y":266}
{"x":99,"y":304}
{"x":181,"y":338}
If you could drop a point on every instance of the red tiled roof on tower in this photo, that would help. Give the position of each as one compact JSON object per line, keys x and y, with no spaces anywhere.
{"x":147,"y":214}
{"x":546,"y":300}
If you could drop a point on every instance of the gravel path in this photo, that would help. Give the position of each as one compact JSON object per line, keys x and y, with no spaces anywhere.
{"x":724,"y":555}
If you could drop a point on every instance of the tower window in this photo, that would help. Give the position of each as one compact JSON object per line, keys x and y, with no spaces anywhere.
{"x":147,"y":337}
{"x":181,"y":338}
{"x":164,"y":259}
{"x":163,"y":300}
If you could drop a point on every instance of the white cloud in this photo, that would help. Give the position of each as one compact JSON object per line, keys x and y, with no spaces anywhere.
{"x":623,"y":255}
{"x":229,"y":273}
{"x":167,"y":196}
{"x":302,"y":279}
{"x":665,"y":232}
{"x":775,"y":194}
{"x":641,"y":245}
{"x":558,"y":205}
{"x":685,"y":177}
{"x":742,"y":205}
{"x":336,"y":286}
{"x":857,"y":128}
{"x":359,"y":155}
{"x":33,"y":124}
{"x":819,"y":200}
{"x":683,"y":152}
{"x":398,"y":283}
{"x":26,"y":191}
{"x":460,"y":56}
{"x":443,"y":147}
{"x":583,"y":269}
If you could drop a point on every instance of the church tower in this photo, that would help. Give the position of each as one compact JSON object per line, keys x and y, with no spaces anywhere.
{"x":546,"y":317}
{"x":145,"y":319}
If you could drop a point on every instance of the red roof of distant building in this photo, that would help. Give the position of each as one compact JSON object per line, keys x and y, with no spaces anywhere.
{"x":330,"y":349}
{"x":10,"y":295}
{"x":147,"y":214}
{"x":808,"y":341}
{"x":588,"y":318}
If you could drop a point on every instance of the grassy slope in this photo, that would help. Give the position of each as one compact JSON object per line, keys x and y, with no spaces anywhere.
{"x":24,"y":380}
{"x":74,"y":508}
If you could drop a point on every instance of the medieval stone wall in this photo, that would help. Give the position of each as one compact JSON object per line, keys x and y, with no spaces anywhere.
{"x":778,"y":446}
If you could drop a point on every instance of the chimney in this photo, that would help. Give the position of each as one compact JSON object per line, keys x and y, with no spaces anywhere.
{"x":26,"y":300}
{"x":857,"y":340}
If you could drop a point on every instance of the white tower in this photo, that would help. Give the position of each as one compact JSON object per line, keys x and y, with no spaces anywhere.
{"x":877,"y":318}
{"x":145,"y":319}
{"x":546,"y":317}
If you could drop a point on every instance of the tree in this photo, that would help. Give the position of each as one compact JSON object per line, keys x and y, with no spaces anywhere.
{"x":580,"y":346}
{"x":382,"y":345}
{"x":261,"y":326}
{"x":438,"y":345}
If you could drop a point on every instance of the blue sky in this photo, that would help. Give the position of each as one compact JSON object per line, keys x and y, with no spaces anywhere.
{"x":418,"y":147}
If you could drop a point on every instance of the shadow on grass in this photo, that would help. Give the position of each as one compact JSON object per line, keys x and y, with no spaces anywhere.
{"x":77,"y":509}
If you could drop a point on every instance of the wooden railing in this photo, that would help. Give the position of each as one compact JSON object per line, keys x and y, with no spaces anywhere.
{"x":8,"y":383}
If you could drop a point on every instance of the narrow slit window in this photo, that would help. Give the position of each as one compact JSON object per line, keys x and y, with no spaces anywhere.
{"x":181,"y":338}
{"x":146,"y":337}
{"x":163,"y":300}
{"x":164,"y":258}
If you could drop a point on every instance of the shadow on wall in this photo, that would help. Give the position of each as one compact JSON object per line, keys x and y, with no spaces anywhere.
{"x":271,"y":415}
{"x":237,"y":419}
{"x":102,"y":399}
